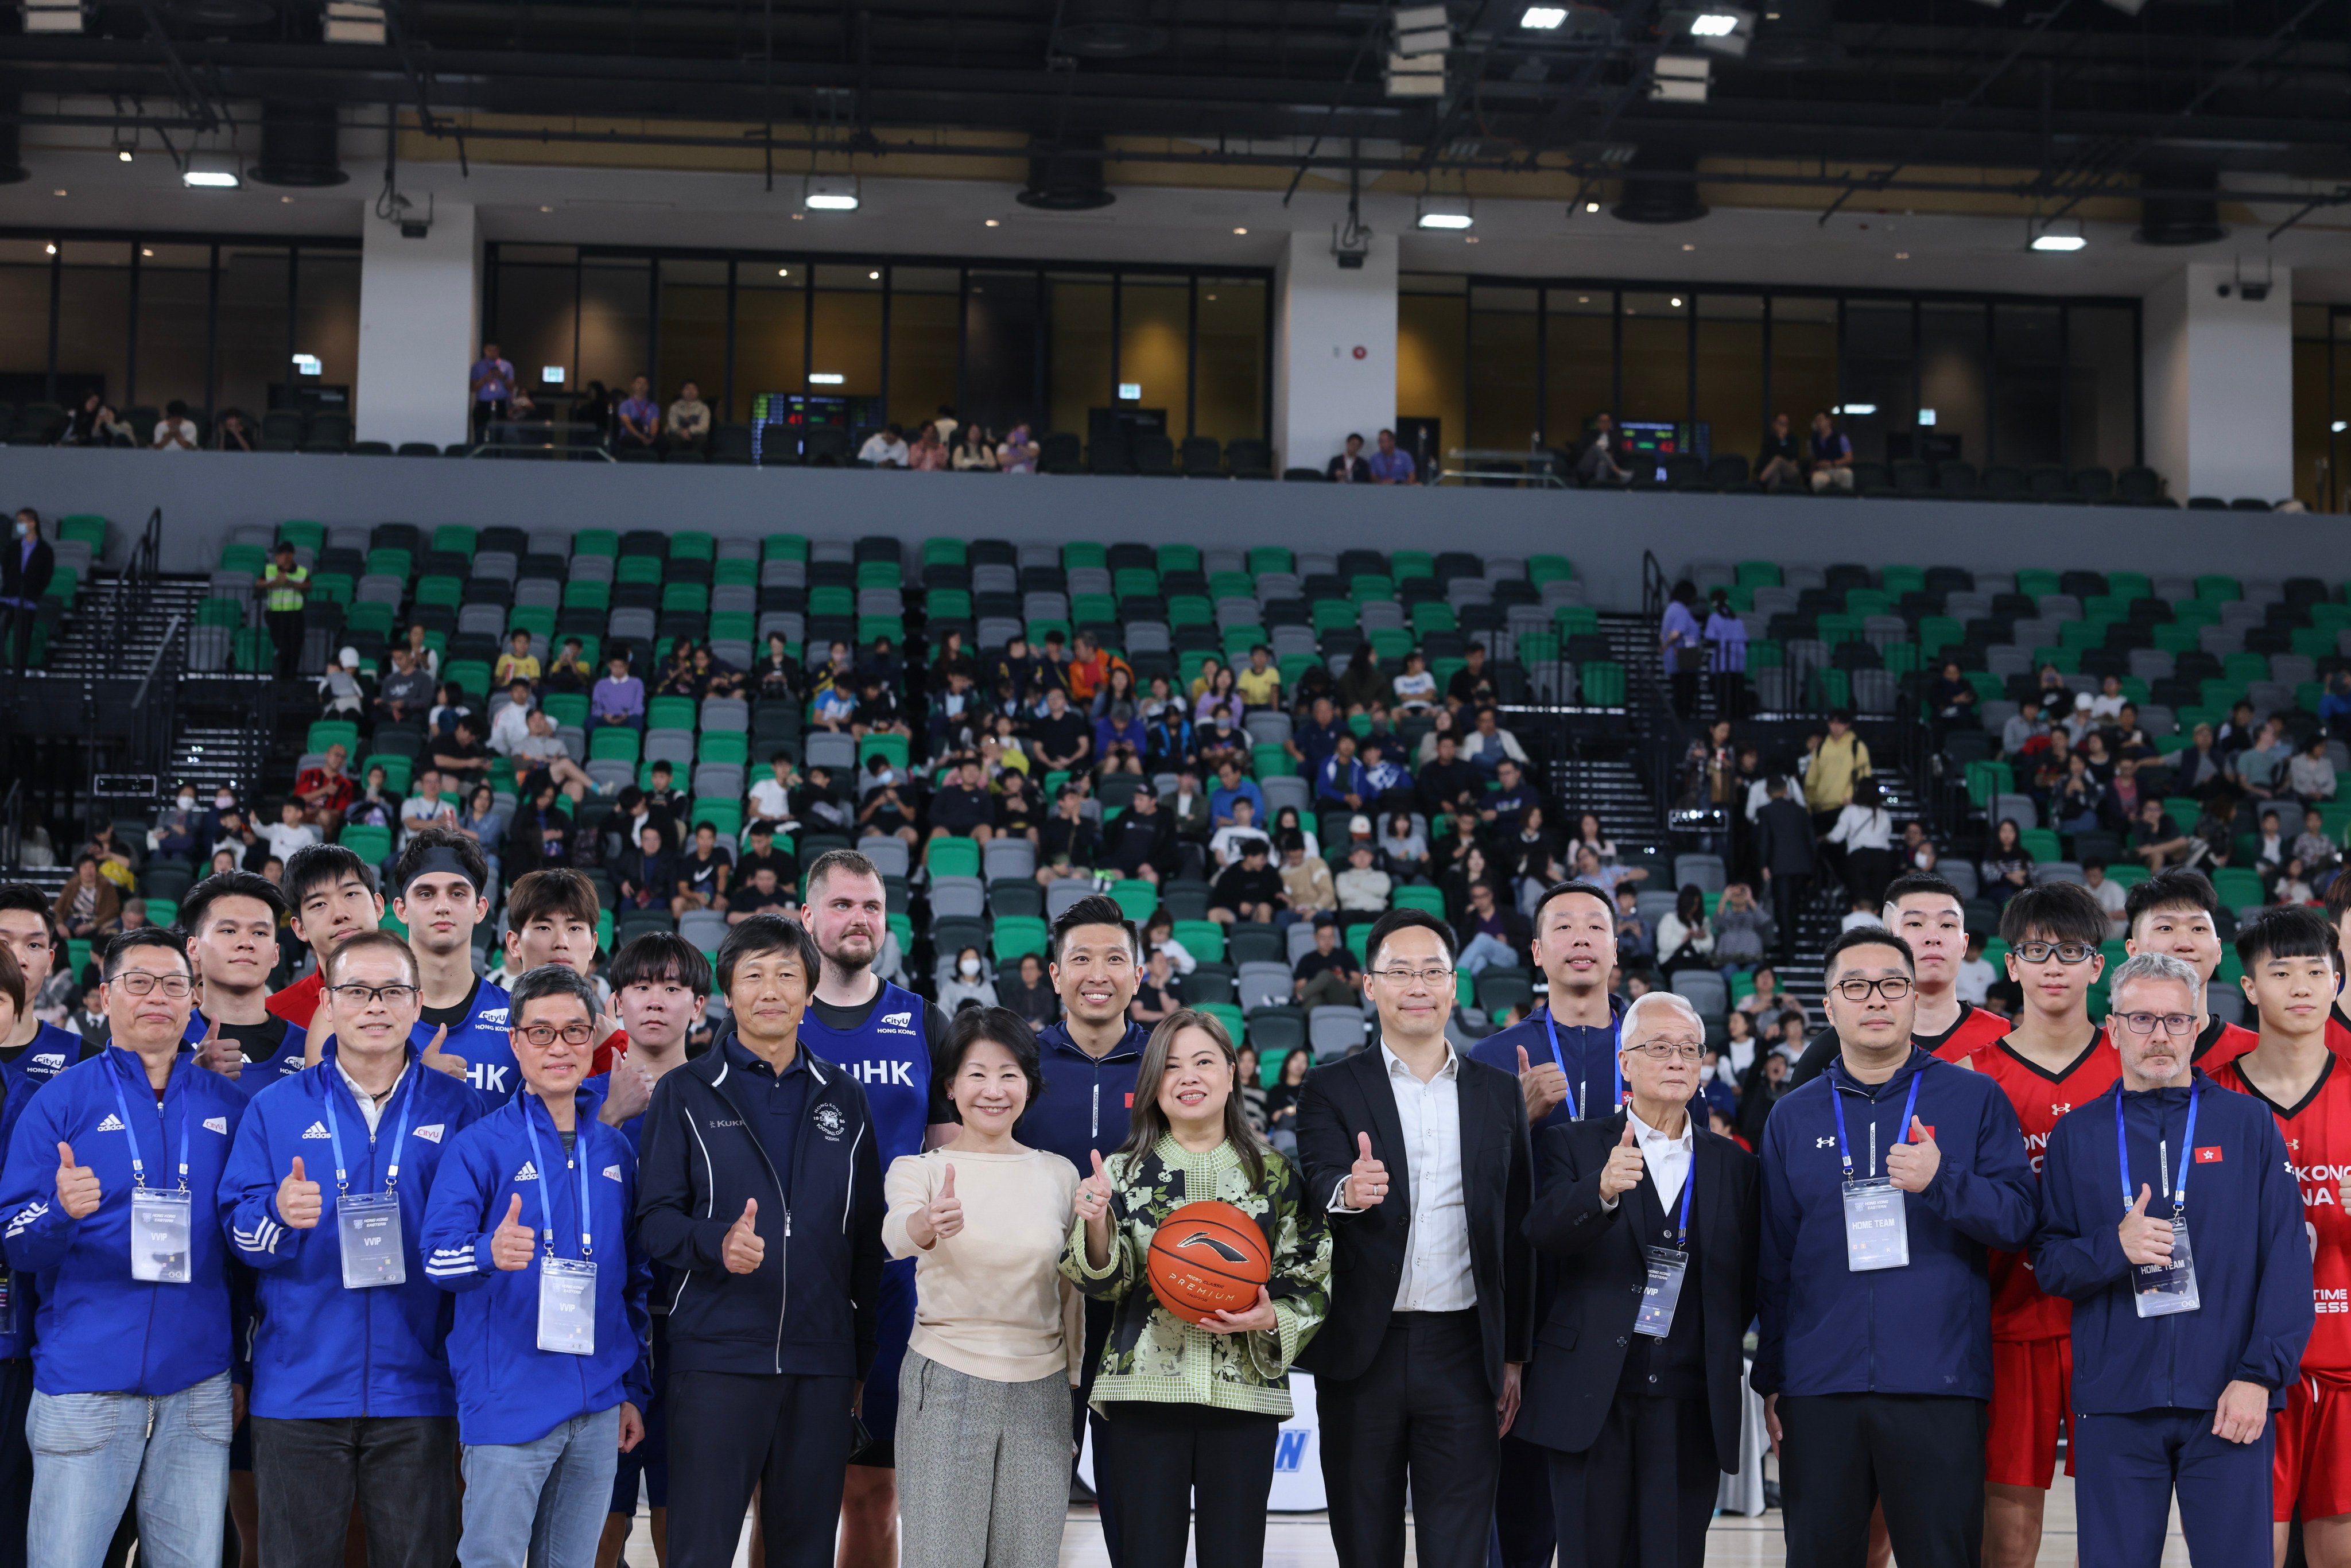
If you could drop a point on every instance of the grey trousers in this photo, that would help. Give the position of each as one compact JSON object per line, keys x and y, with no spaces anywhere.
{"x":983,"y":1468}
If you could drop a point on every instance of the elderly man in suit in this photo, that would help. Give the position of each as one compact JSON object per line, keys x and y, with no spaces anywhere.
{"x":1636,"y":1385}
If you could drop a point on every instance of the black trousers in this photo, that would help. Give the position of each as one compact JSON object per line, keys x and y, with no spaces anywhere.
{"x":1422,"y":1409}
{"x":729,"y":1432}
{"x":1524,"y":1532}
{"x":15,"y":1461}
{"x":1788,"y":895}
{"x":286,"y":630}
{"x":1919,"y":1454}
{"x":402,"y":1470}
{"x":1099,"y":1314}
{"x":1164,"y":1455}
{"x":1643,"y":1494}
{"x":16,"y":632}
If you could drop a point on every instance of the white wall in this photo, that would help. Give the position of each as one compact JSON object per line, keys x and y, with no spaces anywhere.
{"x":2220,"y":385}
{"x":1334,"y":369}
{"x":419,"y":301}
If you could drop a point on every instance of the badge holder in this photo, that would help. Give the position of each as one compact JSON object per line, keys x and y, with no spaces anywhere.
{"x":2160,"y":1289}
{"x":1668,"y":1267}
{"x":567,"y":1306}
{"x":1875,"y":1233}
{"x":160,"y":1233}
{"x":368,"y":1226}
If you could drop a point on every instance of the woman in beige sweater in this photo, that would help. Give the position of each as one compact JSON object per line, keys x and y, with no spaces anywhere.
{"x":983,"y":1444}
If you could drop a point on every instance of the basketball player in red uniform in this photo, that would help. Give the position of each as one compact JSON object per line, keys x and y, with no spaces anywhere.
{"x":2290,"y":968}
{"x":2174,"y":912}
{"x":2338,"y":913}
{"x":2053,"y":1060}
{"x":1927,"y":911}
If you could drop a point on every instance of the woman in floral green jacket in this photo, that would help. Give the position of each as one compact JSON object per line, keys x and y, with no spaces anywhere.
{"x":1194,"y":1408}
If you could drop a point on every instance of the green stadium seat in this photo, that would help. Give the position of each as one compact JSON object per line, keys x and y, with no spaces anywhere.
{"x":1602,"y":683}
{"x":1261,"y":560}
{"x":1015,"y":936}
{"x":613,"y":744}
{"x":456,"y":537}
{"x":1236,"y":1022}
{"x":1137,"y":897}
{"x":1204,"y":939}
{"x":370,"y":844}
{"x":1542,"y":568}
{"x":692,"y":545}
{"x":670,"y":713}
{"x":2237,"y":887}
{"x":1179,"y":558}
{"x":2042,"y":845}
{"x":1431,"y":899}
{"x":784,"y":547}
{"x":328,"y":732}
{"x":85,"y":528}
{"x":952,"y":857}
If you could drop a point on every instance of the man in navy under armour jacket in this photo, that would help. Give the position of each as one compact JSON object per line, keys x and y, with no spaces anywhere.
{"x":762,"y":1202}
{"x":2177,"y":1397}
{"x":132,"y":1346}
{"x":1884,"y":1181}
{"x":528,"y":1223}
{"x":352,"y":1396}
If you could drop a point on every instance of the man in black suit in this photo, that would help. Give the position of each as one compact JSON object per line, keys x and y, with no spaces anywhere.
{"x":1651,"y":1224}
{"x":25,"y":568}
{"x":1783,"y":847}
{"x":1421,"y":1157}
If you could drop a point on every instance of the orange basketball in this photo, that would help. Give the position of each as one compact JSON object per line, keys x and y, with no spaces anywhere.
{"x":1207,"y":1258}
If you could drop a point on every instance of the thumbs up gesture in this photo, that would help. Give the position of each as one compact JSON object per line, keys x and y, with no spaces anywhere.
{"x":743,"y":1250}
{"x":1367,"y":1178}
{"x":939,"y":1219}
{"x":440,"y":1060}
{"x":1623,"y":1172}
{"x":511,"y":1244}
{"x":2146,"y":1240}
{"x":300,"y":1203}
{"x":78,"y":1192}
{"x":1912,"y":1164}
{"x":1545,"y":1086}
{"x":1093,"y":1202}
{"x":215,"y":1055}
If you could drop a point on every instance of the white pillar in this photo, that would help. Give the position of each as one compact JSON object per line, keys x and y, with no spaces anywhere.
{"x":420,"y":301}
{"x":2219,"y":383}
{"x":1336,"y":371}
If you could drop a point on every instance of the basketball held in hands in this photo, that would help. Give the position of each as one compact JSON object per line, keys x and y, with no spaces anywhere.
{"x":1207,"y":1258}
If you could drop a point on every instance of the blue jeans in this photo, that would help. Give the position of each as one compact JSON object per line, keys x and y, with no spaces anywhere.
{"x":540,"y":1503}
{"x":93,"y":1452}
{"x":1485,"y":951}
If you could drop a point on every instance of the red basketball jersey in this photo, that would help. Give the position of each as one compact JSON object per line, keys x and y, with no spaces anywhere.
{"x":1978,"y":1027}
{"x":2317,"y":1136}
{"x":2338,"y":1031}
{"x":2020,"y":1309}
{"x":2230,"y":1043}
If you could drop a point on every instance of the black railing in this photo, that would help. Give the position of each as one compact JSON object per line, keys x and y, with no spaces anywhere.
{"x":154,"y":703}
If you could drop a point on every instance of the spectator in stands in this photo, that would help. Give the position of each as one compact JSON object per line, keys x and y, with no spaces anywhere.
{"x":2006,"y":868}
{"x":762,"y":893}
{"x":1865,"y":830}
{"x":1364,"y":684}
{"x":175,"y":431}
{"x":291,"y":834}
{"x":543,"y":752}
{"x":1154,"y":995}
{"x":1743,"y":930}
{"x":1306,"y":884}
{"x":1403,"y":848}
{"x":1226,"y":844}
{"x":1415,"y":688}
{"x":492,"y":381}
{"x":511,"y":725}
{"x":1362,"y":889}
{"x":1446,"y":779}
{"x":763,"y":854}
{"x":2269,"y":848}
{"x":25,"y":574}
{"x":640,"y":418}
{"x":1492,"y":934}
{"x":341,"y":691}
{"x":1216,"y":742}
{"x":518,"y":664}
{"x":834,"y":708}
{"x":327,"y":790}
{"x":2110,"y":895}
{"x":885,"y":449}
{"x":1119,"y":740}
{"x":1068,"y":841}
{"x":2216,"y":830}
{"x":422,"y":651}
{"x":1019,"y":452}
{"x":1385,"y":783}
{"x":974,"y":451}
{"x":1249,"y":891}
{"x":1832,"y":454}
{"x":424,"y":808}
{"x":1259,"y":684}
{"x":2312,"y":846}
{"x":1597,"y":464}
{"x":539,"y":834}
{"x":1030,"y":993}
{"x":1159,"y":937}
{"x":1952,"y":697}
{"x":647,"y":873}
{"x":676,"y":677}
{"x":1168,"y":745}
{"x":1232,"y":786}
{"x":1782,"y":461}
{"x":776,"y":675}
{"x":1503,"y":809}
{"x":1338,"y":781}
{"x":2024,"y":727}
{"x":927,"y":452}
{"x":617,"y":701}
{"x":1016,"y":807}
{"x":1221,"y":697}
{"x":285,"y":588}
{"x":1784,"y":854}
{"x":689,"y":419}
{"x":966,"y":984}
{"x":463,"y":755}
{"x":963,"y":806}
{"x":885,"y":807}
{"x":1349,"y":468}
{"x":1189,"y":807}
{"x":2261,"y":766}
{"x":1842,"y":761}
{"x":1685,"y":937}
{"x":1681,"y":641}
{"x":1489,"y":743}
{"x":1390,"y":465}
{"x":1097,"y":678}
{"x":1061,"y":738}
{"x":1141,"y":843}
{"x":2119,"y":801}
{"x":233,"y":434}
{"x":1326,"y":974}
{"x":2334,"y":705}
{"x":87,"y":905}
{"x":2156,"y":840}
{"x":2310,"y":776}
{"x":406,"y":694}
{"x":704,"y":874}
{"x":714,"y":677}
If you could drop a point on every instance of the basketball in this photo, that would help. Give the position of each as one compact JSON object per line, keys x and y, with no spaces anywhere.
{"x":1207,"y":1258}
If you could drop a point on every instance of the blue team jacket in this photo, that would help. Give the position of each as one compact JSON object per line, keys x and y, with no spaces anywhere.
{"x":1588,"y":1056}
{"x":2244,"y":1229}
{"x":509,"y":1390}
{"x":320,"y":1351}
{"x":1922,"y":1329}
{"x":98,"y":1330}
{"x":42,"y":1059}
{"x":1088,"y":1104}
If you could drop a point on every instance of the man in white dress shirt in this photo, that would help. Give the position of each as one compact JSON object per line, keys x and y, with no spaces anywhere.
{"x":1421,"y":1157}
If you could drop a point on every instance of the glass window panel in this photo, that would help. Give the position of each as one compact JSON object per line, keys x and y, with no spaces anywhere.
{"x":1804,"y":358}
{"x":2314,"y":445}
{"x":24,"y":320}
{"x":1000,"y":385}
{"x":538,"y":320}
{"x":848,"y":338}
{"x":1878,"y":359}
{"x":1656,"y":358}
{"x":770,"y":332}
{"x":1731,"y":375}
{"x":2025,"y":341}
{"x":693,"y":331}
{"x":1078,"y":353}
{"x":1579,"y":360}
{"x":1951,"y":382}
{"x":1154,"y":329}
{"x":2101,"y":387}
{"x":924,"y":331}
{"x":174,"y":315}
{"x":615,"y":321}
{"x":93,"y":320}
{"x":1432,"y":344}
{"x":2338,"y":451}
{"x":252,"y":348}
{"x":1504,"y":347}
{"x":2310,"y":320}
{"x":327,"y":328}
{"x":1228,"y":402}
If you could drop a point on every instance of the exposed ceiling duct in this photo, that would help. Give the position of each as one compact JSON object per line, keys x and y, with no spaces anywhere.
{"x":2184,"y":218}
{"x":301,"y":145}
{"x":1660,"y":201}
{"x":1063,"y":177}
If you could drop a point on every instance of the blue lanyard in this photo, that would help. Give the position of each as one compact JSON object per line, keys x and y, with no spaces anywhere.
{"x":399,"y":1138}
{"x":547,"y":1174}
{"x":2178,"y":1192}
{"x":131,"y":1131}
{"x":1910,"y":1108}
{"x":1615,"y":1062}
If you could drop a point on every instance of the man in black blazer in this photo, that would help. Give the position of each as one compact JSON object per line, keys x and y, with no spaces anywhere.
{"x":25,"y":567}
{"x":1421,"y":1157}
{"x":1651,"y":1222}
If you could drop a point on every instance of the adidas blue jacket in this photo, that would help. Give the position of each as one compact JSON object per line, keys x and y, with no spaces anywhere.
{"x":17,"y":1091}
{"x":320,"y":1351}
{"x":99,"y":1331}
{"x":509,"y":1390}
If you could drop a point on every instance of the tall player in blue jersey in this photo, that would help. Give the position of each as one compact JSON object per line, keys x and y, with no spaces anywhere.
{"x":231,"y":920}
{"x":885,"y":1036}
{"x":439,"y":891}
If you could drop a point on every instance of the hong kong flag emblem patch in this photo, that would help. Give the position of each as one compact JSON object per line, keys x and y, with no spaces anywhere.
{"x":2210,"y":1156}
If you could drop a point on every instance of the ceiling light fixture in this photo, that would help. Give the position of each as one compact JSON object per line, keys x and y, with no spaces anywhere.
{"x":1591,"y":206}
{"x":993,"y":224}
{"x":1862,"y":409}
{"x":1445,"y":219}
{"x":783,"y":272}
{"x":123,"y":153}
{"x":1543,"y":18}
{"x":829,"y":194}
{"x":2058,"y":242}
{"x":826,"y":378}
{"x":52,"y":248}
{"x":1240,"y":231}
{"x":875,"y":276}
{"x":1675,"y":302}
{"x":1681,"y":79}
{"x":210,"y":180}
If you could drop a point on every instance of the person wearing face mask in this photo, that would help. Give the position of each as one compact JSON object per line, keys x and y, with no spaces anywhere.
{"x":984,"y":1390}
{"x":25,"y":569}
{"x":967,"y":986}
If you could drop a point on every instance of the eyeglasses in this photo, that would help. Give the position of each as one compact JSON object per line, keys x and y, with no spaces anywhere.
{"x":138,"y":983}
{"x":1669,"y":1050}
{"x":2063,"y":952}
{"x":1432,"y":976}
{"x":1893,"y":988}
{"x":357,"y":996}
{"x":2173,"y":1023}
{"x":545,"y":1034}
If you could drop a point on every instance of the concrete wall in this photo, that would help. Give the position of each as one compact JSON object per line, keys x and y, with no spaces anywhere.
{"x":418,"y":303}
{"x":1335,"y":369}
{"x":205,"y":495}
{"x":2220,"y":385}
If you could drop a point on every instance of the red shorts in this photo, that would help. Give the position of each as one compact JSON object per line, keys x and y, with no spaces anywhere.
{"x":2031,"y":1382}
{"x":2312,"y":1472}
